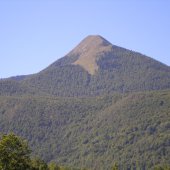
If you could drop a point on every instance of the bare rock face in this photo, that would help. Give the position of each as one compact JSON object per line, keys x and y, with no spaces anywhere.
{"x":89,"y":51}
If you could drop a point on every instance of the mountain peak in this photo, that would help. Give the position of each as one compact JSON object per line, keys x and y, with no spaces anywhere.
{"x":94,"y":40}
{"x":89,"y":50}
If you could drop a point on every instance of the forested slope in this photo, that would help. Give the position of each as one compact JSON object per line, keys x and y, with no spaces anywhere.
{"x":131,"y":129}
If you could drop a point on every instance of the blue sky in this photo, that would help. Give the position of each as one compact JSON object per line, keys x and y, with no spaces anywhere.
{"x":35,"y":33}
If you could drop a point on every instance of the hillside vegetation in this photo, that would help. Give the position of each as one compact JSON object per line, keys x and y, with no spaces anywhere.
{"x":131,"y":129}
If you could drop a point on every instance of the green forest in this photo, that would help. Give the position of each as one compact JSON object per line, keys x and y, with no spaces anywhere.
{"x":97,"y":131}
{"x":15,"y":155}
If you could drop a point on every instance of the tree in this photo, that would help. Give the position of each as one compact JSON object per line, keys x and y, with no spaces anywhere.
{"x":53,"y":166}
{"x":14,"y":153}
{"x":38,"y":164}
{"x":165,"y":167}
{"x":115,"y":167}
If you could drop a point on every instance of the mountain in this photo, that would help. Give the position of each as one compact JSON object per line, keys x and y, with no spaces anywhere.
{"x":98,"y":105}
{"x":96,"y":67}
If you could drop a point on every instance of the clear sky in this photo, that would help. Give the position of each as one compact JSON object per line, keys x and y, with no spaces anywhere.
{"x":35,"y":33}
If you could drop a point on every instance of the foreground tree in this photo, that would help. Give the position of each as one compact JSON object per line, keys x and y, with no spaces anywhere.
{"x":14,"y":153}
{"x":115,"y":167}
{"x":38,"y":164}
{"x":165,"y":167}
{"x":53,"y":166}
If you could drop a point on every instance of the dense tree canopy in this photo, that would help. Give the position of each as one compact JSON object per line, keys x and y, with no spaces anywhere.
{"x":14,"y":153}
{"x":93,"y":132}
